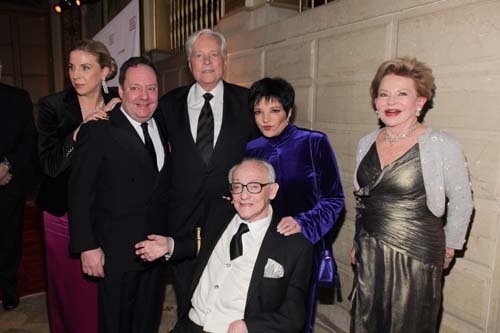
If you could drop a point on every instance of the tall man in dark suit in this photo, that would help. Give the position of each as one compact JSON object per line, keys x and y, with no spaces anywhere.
{"x":248,"y":276}
{"x":208,"y":126}
{"x":17,"y":152}
{"x":114,"y":189}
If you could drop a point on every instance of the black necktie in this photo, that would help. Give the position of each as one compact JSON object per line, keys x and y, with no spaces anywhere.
{"x":149,"y":143}
{"x":205,"y":131}
{"x":236,"y":246}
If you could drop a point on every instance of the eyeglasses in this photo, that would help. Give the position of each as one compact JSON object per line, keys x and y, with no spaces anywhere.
{"x":253,"y":187}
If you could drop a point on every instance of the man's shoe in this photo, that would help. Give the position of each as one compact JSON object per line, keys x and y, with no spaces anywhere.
{"x":10,"y":302}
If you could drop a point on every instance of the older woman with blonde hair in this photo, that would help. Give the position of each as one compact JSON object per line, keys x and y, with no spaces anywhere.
{"x":413,"y":207}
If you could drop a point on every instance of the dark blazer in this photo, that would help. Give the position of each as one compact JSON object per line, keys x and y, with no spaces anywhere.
{"x":60,"y":114}
{"x":273,"y":305}
{"x":193,"y":183}
{"x":17,"y":139}
{"x":114,"y":187}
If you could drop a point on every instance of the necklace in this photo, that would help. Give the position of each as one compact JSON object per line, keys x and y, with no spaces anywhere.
{"x":401,"y":136}
{"x":101,"y":104}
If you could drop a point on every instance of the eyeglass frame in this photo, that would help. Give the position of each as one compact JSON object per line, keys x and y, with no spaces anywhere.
{"x":262,"y":185}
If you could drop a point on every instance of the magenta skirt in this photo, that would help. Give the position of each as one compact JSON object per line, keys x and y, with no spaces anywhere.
{"x":71,"y":297}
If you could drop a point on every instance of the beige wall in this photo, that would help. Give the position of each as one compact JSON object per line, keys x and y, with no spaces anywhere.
{"x":330,"y":55}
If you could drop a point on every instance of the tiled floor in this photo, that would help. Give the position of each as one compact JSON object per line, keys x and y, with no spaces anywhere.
{"x":31,"y":315}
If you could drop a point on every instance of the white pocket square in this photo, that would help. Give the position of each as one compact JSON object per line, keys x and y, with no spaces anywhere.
{"x":273,"y":269}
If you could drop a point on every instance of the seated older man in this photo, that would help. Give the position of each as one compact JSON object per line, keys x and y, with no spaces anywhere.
{"x":248,"y":277}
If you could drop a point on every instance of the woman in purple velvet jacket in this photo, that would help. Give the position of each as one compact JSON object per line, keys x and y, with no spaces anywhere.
{"x":310,"y":198}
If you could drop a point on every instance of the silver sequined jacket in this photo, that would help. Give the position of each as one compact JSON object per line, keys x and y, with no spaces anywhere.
{"x":446,"y":180}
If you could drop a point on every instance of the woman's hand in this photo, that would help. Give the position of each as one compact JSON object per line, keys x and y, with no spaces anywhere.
{"x":111,"y":104}
{"x":102,"y":112}
{"x":353,"y":255}
{"x":288,"y":226}
{"x":99,"y":114}
{"x":449,"y":254}
{"x":154,"y":247}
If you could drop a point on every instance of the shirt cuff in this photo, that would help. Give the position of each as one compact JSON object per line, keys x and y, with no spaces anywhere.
{"x":168,"y":255}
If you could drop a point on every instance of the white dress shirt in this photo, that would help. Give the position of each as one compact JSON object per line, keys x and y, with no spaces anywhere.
{"x":195,"y":101}
{"x":221,"y":294}
{"x":153,"y":133}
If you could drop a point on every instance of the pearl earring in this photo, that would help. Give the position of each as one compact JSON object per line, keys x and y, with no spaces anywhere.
{"x":418,"y":112}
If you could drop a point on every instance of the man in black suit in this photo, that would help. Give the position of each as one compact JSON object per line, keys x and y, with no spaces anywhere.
{"x":17,"y":152}
{"x":208,"y":126}
{"x":248,"y":276}
{"x":114,"y":188}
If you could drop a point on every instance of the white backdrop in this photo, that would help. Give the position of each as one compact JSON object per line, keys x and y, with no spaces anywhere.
{"x":122,"y":36}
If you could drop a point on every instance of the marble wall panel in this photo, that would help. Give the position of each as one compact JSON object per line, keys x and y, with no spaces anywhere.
{"x":343,"y":103}
{"x":302,"y":104}
{"x":291,"y":61}
{"x":244,"y":67}
{"x":353,"y":53}
{"x":480,"y":247}
{"x":467,"y":97}
{"x":466,"y":294}
{"x":464,"y":35}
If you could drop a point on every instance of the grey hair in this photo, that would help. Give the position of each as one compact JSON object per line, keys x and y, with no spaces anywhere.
{"x":195,"y":35}
{"x":271,"y":175}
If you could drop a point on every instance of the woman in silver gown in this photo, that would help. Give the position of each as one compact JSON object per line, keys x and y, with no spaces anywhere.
{"x":409,"y":182}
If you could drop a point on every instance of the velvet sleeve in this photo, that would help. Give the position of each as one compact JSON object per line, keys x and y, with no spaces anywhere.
{"x":317,"y":221}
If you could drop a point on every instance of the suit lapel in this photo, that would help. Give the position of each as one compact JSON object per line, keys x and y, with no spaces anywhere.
{"x":166,"y":147}
{"x":127,"y":137}
{"x":228,"y":120}
{"x":269,"y":243}
{"x":182,"y":119}
{"x":72,"y":106}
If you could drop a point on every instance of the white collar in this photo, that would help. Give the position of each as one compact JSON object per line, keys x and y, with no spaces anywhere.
{"x":197,"y":94}
{"x":134,"y":122}
{"x":256,"y":227}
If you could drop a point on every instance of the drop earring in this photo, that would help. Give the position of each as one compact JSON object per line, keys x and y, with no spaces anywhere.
{"x":104,"y":86}
{"x":418,"y":112}
{"x":377,"y":113}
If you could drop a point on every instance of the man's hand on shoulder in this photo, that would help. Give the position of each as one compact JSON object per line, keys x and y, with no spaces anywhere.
{"x":237,"y":326}
{"x":93,"y":262}
{"x":154,"y":247}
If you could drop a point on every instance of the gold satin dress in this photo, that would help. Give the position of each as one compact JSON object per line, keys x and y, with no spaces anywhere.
{"x":400,"y":249}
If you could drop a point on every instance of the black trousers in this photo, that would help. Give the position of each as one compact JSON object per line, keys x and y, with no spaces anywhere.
{"x":187,"y":326}
{"x":11,"y":231}
{"x":131,"y":302}
{"x":183,"y":275}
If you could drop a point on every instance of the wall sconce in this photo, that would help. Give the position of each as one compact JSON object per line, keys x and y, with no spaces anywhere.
{"x":65,"y":4}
